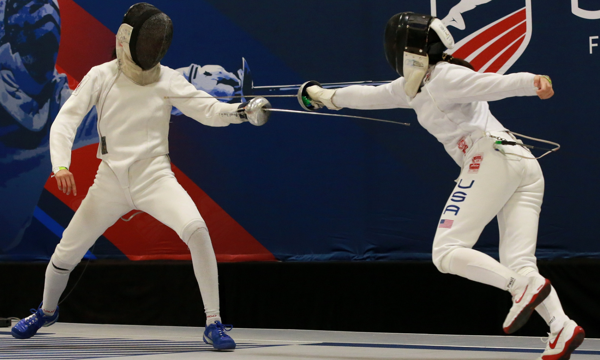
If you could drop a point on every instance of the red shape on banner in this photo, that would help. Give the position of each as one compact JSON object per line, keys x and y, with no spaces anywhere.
{"x":498,"y":46}
{"x":84,"y":41}
{"x":488,"y":35}
{"x":72,"y":81}
{"x":502,"y":59}
{"x":145,"y":238}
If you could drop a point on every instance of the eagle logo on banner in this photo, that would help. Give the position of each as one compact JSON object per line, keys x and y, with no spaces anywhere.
{"x":497,"y":43}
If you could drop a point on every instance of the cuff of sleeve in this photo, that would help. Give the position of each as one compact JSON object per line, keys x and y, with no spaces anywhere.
{"x":59,"y":168}
{"x":242,"y":111}
{"x":531,"y":88}
{"x":236,"y":114}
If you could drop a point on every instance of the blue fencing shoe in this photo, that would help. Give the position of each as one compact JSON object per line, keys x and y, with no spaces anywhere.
{"x":215,"y":334}
{"x":29,"y":326}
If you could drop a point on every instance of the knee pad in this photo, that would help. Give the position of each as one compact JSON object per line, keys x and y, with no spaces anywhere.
{"x":61,"y":266}
{"x":191,"y":228}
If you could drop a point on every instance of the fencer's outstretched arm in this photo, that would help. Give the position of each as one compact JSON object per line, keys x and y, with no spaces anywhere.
{"x":64,"y":128}
{"x":198,"y":105}
{"x":457,"y":84}
{"x":388,"y":96}
{"x":450,"y":84}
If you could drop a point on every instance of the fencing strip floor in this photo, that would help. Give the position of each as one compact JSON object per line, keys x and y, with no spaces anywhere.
{"x":118,"y":342}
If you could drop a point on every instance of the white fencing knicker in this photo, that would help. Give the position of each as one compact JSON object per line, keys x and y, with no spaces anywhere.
{"x":493,"y":184}
{"x":149,"y":186}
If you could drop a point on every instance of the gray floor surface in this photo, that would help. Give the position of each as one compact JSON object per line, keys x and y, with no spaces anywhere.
{"x":117,"y":342}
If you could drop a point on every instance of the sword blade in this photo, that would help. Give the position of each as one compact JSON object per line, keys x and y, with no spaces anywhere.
{"x":334,"y":115}
{"x":326,"y":85}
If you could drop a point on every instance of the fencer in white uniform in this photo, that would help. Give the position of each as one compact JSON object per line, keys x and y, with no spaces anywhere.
{"x":503,"y":181}
{"x":134,"y":95}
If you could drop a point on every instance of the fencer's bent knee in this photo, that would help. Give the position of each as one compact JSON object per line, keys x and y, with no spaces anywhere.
{"x":61,"y":265}
{"x":441,"y":259}
{"x":191,"y":228}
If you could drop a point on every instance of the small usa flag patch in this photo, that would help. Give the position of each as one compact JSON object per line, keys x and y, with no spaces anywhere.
{"x":445,"y":224}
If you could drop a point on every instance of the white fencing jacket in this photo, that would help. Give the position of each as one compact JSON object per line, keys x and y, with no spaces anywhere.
{"x":132,"y":119}
{"x":452,"y":104}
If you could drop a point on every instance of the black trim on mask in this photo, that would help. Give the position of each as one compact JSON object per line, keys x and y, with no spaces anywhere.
{"x":410,"y":32}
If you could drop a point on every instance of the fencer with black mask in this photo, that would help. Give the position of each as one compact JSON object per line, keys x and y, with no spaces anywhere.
{"x":142,"y":41}
{"x":134,"y":95}
{"x":451,"y":102}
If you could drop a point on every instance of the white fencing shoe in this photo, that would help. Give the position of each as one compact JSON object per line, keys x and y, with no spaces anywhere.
{"x":525,"y":301}
{"x":562,"y":344}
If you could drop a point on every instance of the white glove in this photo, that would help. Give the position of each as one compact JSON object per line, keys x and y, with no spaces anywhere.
{"x":322,"y":97}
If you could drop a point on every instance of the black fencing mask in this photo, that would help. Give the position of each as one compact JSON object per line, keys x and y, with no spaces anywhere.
{"x":151,"y":34}
{"x":409,"y":43}
{"x":142,"y":41}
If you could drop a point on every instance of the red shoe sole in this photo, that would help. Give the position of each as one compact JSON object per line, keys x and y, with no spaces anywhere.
{"x":570,"y":346}
{"x":523,"y":317}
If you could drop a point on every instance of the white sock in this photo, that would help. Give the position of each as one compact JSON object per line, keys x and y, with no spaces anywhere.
{"x":550,"y":309}
{"x":552,"y":312}
{"x":205,"y":269}
{"x":210,"y":319}
{"x":477,"y":266}
{"x":56,"y":282}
